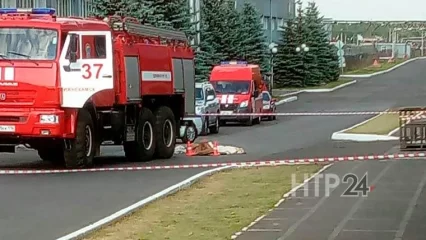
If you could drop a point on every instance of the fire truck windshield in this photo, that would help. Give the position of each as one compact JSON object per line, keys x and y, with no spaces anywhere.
{"x":231,"y":87}
{"x":28,"y":43}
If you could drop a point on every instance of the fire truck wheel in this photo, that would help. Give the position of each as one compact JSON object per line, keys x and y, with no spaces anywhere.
{"x":257,"y":120}
{"x":165,"y":130}
{"x":215,"y":129}
{"x":143,"y":148}
{"x":80,"y":151}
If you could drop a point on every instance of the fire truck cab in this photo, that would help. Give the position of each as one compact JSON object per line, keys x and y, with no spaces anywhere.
{"x":69,"y":84}
{"x":238,"y":86}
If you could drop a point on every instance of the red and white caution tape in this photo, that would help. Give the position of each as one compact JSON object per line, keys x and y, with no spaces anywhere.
{"x":219,"y":164}
{"x":310,"y":113}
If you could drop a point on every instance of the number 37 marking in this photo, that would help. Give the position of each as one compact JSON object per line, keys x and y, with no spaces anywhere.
{"x":88,"y":72}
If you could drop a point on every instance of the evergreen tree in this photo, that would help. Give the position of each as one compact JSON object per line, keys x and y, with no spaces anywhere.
{"x":230,"y":38}
{"x":209,"y":51}
{"x":288,"y":65}
{"x":253,"y":47}
{"x":103,"y":8}
{"x":319,"y":45}
{"x":175,"y":15}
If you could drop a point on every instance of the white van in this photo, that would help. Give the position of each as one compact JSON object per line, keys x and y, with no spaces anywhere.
{"x":207,"y":102}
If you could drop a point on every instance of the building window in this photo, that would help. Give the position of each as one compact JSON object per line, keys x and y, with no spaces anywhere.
{"x":274,"y":24}
{"x":281,"y":24}
{"x":264,"y":21}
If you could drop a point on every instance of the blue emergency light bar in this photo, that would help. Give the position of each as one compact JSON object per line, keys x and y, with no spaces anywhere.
{"x":233,"y":63}
{"x":48,"y":11}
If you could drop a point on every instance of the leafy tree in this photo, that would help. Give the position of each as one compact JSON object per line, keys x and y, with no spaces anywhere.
{"x":288,"y":64}
{"x":253,"y":47}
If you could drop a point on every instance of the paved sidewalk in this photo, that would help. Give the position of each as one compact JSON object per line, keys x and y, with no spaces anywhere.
{"x":394,"y":209}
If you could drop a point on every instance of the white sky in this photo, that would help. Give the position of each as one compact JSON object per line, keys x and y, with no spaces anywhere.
{"x":372,"y":9}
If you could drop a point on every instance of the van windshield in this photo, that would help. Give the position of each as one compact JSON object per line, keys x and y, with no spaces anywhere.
{"x":231,"y":87}
{"x":199,"y":94}
{"x":28,"y":43}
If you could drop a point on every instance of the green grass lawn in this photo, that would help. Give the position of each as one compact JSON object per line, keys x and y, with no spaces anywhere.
{"x":381,"y":125}
{"x":212,"y":209}
{"x":371,"y":69}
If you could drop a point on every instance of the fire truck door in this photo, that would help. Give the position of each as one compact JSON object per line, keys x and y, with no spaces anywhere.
{"x":88,"y":70}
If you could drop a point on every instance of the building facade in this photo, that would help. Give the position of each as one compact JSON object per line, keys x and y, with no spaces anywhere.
{"x":274,"y":12}
{"x":274,"y":15}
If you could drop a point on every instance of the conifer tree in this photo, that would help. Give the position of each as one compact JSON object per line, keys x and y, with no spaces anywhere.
{"x":253,"y":46}
{"x":209,"y":51}
{"x":319,"y":45}
{"x":288,"y":65}
{"x":230,"y":38}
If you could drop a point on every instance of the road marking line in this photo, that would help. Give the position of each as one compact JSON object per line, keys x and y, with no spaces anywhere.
{"x":355,"y":207}
{"x":285,"y":196}
{"x":264,"y":230}
{"x":369,"y":230}
{"x":293,"y":227}
{"x":410,"y":209}
{"x":125,"y":211}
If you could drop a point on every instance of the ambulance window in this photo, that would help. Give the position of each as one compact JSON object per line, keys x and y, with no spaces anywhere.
{"x":93,"y":46}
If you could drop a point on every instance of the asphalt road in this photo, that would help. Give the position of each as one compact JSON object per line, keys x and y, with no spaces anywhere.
{"x":394,"y":209}
{"x":50,"y":206}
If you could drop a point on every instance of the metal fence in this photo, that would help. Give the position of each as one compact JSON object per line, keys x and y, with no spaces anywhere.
{"x":359,"y":56}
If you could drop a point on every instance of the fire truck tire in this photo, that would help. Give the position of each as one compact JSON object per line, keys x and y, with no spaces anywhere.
{"x":142,"y":149}
{"x":81,"y":150}
{"x":165,"y":130}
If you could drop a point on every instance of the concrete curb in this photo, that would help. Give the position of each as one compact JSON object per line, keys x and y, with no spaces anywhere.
{"x":286,"y":100}
{"x":355,"y":137}
{"x":320,"y":90}
{"x":358,"y":137}
{"x":79,"y":234}
{"x":384,"y":71}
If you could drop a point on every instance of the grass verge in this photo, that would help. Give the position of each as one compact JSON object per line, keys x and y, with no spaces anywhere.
{"x":213,"y":208}
{"x":371,"y":69}
{"x":381,"y":125}
{"x":325,"y":86}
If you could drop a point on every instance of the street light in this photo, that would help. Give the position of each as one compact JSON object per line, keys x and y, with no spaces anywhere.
{"x":273,"y":48}
{"x":301,"y":49}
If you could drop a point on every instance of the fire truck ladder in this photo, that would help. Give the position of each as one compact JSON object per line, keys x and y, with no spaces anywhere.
{"x":133,"y":27}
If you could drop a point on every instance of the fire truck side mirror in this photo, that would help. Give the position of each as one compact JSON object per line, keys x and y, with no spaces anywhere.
{"x":73,"y":47}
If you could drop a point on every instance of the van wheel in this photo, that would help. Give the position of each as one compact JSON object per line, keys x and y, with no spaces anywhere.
{"x":143,"y":148}
{"x":215,"y":129}
{"x":165,"y":130}
{"x":190,"y":134}
{"x":79,"y":152}
{"x":249,"y":122}
{"x":205,"y":128}
{"x":257,"y":120}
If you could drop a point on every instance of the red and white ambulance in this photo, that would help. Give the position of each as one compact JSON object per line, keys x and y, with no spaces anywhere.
{"x":238,"y":86}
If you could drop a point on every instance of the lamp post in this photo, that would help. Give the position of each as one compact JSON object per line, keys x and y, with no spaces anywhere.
{"x":273,"y":48}
{"x":303,"y":49}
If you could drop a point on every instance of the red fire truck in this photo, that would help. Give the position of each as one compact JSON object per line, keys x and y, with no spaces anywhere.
{"x":69,"y":84}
